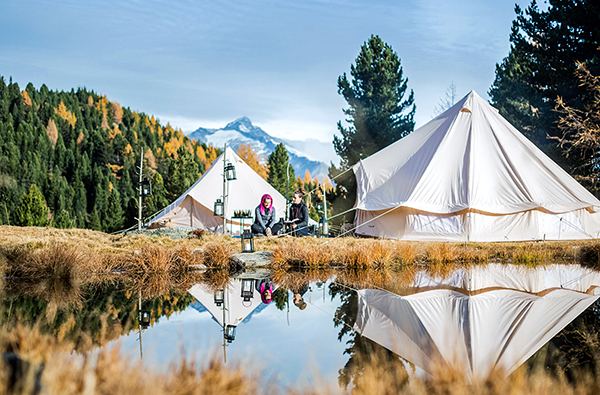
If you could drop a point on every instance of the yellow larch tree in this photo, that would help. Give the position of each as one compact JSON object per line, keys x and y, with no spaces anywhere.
{"x":65,"y":114}
{"x":80,"y":138}
{"x":150,"y":160}
{"x":117,"y":112}
{"x":90,"y":101}
{"x":252,"y":159}
{"x":327,"y":183}
{"x":26,"y":100}
{"x":307,"y":177}
{"x":52,"y":132}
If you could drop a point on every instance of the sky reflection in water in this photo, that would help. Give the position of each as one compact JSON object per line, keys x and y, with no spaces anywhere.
{"x":486,"y":317}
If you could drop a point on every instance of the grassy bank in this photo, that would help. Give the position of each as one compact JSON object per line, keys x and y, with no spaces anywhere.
{"x":33,"y":252}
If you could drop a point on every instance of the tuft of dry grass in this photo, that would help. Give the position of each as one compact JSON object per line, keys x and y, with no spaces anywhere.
{"x":217,"y":254}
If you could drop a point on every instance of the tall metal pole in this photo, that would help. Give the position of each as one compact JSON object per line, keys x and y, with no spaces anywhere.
{"x":287,"y":190}
{"x":140,"y":320}
{"x":140,"y":191}
{"x":224,"y":185}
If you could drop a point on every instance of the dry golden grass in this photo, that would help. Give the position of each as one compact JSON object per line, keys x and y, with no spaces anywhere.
{"x":101,"y":254}
{"x":107,"y":371}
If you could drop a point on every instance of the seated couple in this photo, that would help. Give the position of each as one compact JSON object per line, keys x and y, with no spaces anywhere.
{"x":267,"y":224}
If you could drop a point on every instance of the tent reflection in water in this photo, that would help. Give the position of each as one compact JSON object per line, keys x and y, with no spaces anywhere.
{"x":481,"y":319}
{"x":230,"y":306}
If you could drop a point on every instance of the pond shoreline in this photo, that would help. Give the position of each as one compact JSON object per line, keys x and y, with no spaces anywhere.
{"x":26,"y":252}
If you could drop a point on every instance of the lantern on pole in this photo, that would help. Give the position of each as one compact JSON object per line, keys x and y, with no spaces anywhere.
{"x":229,"y":333}
{"x":230,"y":172}
{"x":247,"y":289}
{"x":324,"y":227}
{"x":218,"y":209}
{"x":145,"y":318}
{"x":146,"y":187}
{"x":247,"y":241}
{"x":219,"y":297}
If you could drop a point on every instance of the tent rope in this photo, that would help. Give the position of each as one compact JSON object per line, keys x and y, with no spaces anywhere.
{"x":364,"y":223}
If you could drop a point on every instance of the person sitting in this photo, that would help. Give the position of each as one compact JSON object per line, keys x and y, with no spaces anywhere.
{"x":265,"y":215}
{"x":298,"y":219}
{"x":265,"y":288}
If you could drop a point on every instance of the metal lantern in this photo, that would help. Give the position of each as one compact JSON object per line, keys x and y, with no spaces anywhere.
{"x":247,"y":289}
{"x":145,"y":318}
{"x":219,"y":297}
{"x":146,"y":187}
{"x":230,"y":172}
{"x":324,"y":227}
{"x":218,"y":211}
{"x":229,"y":333}
{"x":247,"y":241}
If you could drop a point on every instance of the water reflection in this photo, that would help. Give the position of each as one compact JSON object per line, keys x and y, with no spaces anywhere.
{"x":477,"y":320}
{"x":230,"y":305}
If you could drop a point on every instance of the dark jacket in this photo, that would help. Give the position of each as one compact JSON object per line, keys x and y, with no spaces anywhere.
{"x":300,"y":212}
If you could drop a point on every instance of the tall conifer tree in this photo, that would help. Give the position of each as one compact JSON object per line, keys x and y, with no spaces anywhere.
{"x":277,"y":166}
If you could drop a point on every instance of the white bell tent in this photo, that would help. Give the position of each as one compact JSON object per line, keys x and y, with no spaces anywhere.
{"x":195,"y":207}
{"x":479,"y":320}
{"x":469,"y":175}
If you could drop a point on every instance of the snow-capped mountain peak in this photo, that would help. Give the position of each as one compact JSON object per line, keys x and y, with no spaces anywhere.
{"x":242,"y":131}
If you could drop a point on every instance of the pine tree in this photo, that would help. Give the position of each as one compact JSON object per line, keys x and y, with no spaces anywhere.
{"x":183,"y":172}
{"x":277,"y":166}
{"x":540,"y":67}
{"x":378,"y":113}
{"x":114,"y":219}
{"x":33,"y":210}
{"x":94,"y":222}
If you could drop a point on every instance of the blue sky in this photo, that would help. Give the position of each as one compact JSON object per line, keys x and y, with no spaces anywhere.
{"x":206,"y":63}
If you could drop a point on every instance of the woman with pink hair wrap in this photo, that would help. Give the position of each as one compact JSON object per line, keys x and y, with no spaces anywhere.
{"x":265,"y":222}
{"x":265,"y":288}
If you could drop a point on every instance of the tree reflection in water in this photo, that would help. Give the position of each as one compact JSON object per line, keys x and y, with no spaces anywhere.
{"x":362,"y":351}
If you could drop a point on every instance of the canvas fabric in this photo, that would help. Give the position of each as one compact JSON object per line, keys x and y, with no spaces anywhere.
{"x":195,"y":207}
{"x":470,"y":175}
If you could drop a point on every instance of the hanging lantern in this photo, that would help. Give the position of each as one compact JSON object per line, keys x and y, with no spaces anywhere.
{"x":324,"y":227}
{"x":230,"y":172}
{"x":247,"y":289}
{"x":146,"y":187}
{"x":219,"y":297}
{"x":247,"y":241}
{"x":229,"y":333}
{"x":145,"y":318}
{"x":218,"y":210}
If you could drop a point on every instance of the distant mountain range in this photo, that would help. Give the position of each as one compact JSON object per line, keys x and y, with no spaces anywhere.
{"x":303,"y":154}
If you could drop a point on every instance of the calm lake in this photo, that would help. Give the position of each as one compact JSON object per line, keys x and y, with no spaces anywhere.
{"x":300,"y":327}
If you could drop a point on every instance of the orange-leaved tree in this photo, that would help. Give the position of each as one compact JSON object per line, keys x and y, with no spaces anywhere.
{"x":252,"y":159}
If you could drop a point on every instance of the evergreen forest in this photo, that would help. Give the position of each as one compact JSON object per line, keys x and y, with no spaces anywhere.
{"x":71,"y":159}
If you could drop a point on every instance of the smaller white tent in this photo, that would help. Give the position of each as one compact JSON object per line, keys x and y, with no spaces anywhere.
{"x":478,"y":320}
{"x":195,"y":207}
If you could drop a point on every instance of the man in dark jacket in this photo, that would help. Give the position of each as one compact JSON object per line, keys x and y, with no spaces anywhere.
{"x":298,"y":219}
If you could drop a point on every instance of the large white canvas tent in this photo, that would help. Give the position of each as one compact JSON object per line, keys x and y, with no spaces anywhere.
{"x":480,"y":320}
{"x":470,"y":175}
{"x":195,"y":207}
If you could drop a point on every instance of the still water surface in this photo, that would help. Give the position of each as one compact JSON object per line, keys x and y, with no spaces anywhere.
{"x":476,"y":320}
